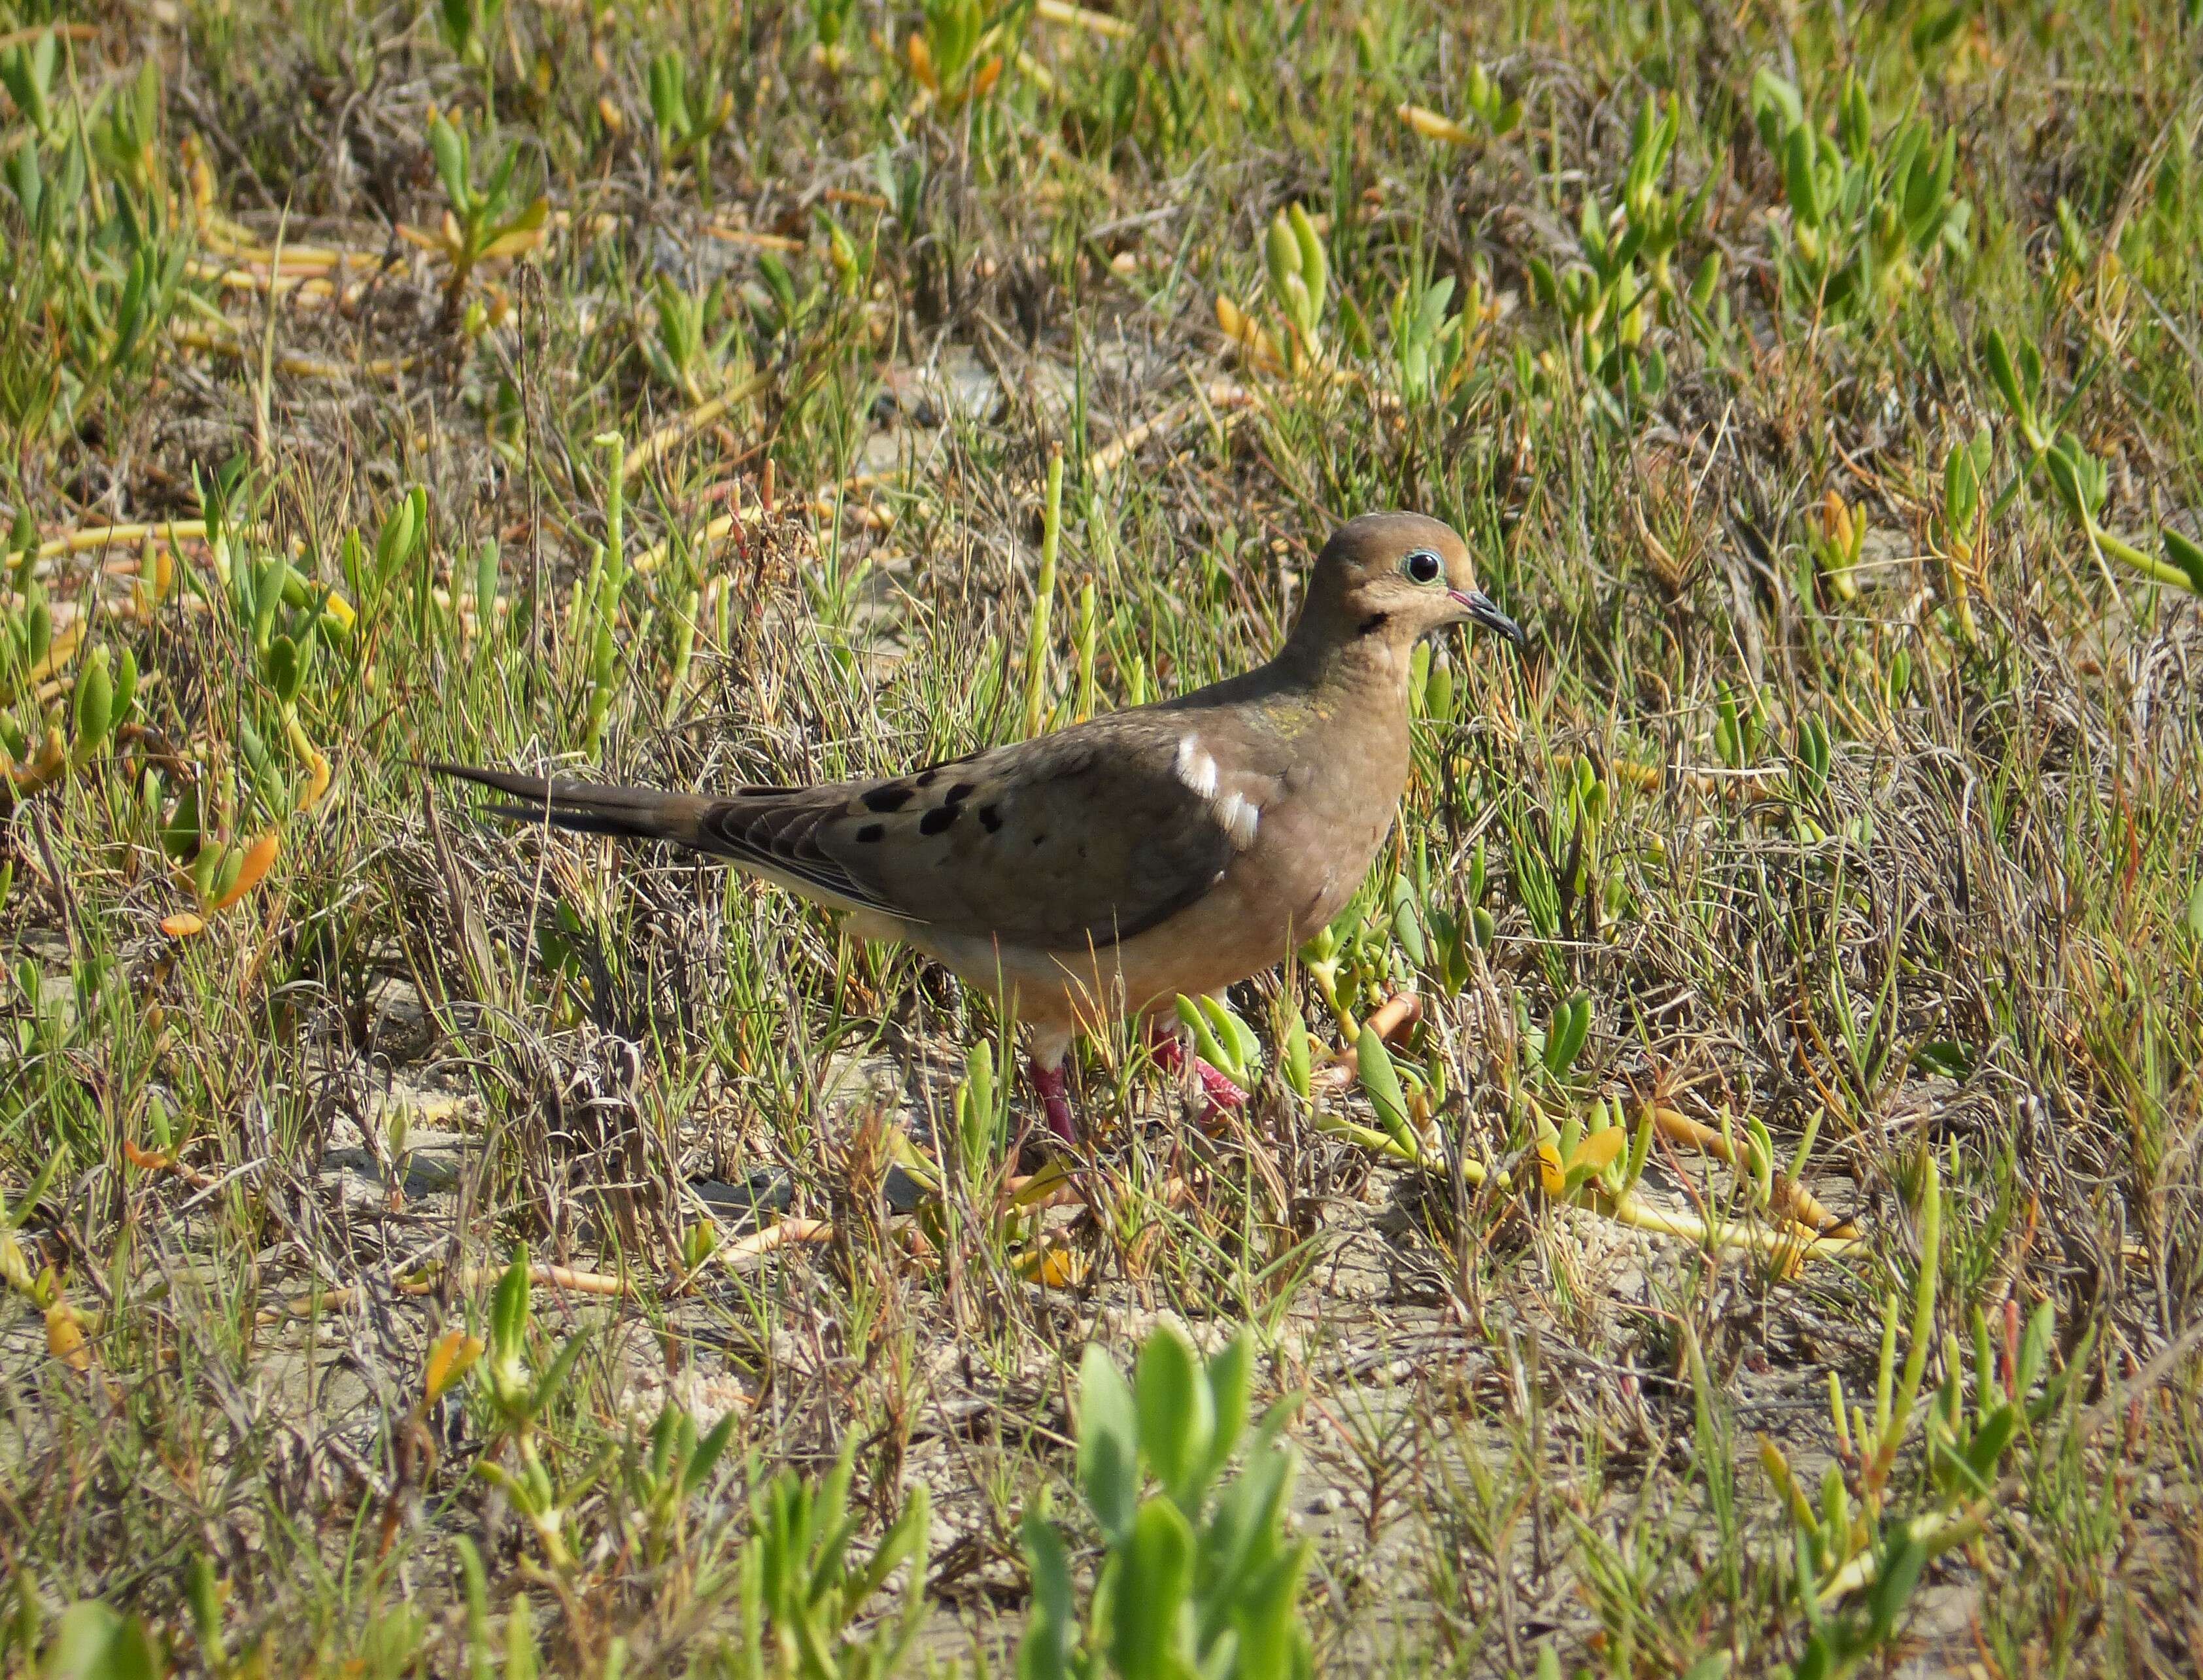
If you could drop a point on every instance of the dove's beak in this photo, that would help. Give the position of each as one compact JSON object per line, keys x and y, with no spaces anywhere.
{"x":1482,"y":610}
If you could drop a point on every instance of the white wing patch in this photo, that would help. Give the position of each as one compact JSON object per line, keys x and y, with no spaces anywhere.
{"x":1240,"y":817}
{"x":1195,"y":768}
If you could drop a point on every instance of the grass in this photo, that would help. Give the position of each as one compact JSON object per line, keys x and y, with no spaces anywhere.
{"x":1768,"y":1239}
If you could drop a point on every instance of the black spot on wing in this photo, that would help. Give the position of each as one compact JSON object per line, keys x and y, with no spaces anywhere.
{"x":1102,"y":778}
{"x":892,"y":797}
{"x":871,"y":832}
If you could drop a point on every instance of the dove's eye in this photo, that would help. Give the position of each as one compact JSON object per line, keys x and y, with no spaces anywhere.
{"x":1423,"y":567}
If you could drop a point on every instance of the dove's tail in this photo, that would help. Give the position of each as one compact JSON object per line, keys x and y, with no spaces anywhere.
{"x":771,"y":832}
{"x":593,"y":808}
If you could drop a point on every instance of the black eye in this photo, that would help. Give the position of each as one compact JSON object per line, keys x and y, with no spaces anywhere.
{"x":1423,"y":567}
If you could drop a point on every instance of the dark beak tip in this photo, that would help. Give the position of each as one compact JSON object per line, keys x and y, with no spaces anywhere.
{"x":1484,"y":611}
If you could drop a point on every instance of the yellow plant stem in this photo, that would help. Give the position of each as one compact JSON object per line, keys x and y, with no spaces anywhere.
{"x":218,"y":233}
{"x":1034,"y":70}
{"x":41,"y":770}
{"x":755,"y":241}
{"x":65,"y":1336}
{"x":1788,"y":1245}
{"x":687,"y":425}
{"x":714,"y":531}
{"x":1751,"y":1239}
{"x":1791,"y":1198}
{"x":1223,"y":394}
{"x":1934,"y":1532}
{"x":1080,"y":17}
{"x":305,"y":283}
{"x":303,"y":367}
{"x":1325,"y":976}
{"x":1253,"y":339}
{"x":316,"y":762}
{"x":1434,"y":124}
{"x":169,"y":531}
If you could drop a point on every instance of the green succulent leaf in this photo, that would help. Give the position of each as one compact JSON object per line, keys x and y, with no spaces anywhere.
{"x":1176,"y":1413}
{"x":1108,"y":1444}
{"x":1149,"y":1600}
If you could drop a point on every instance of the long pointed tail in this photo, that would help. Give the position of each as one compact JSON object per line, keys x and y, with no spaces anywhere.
{"x":592,"y":808}
{"x":767,"y":831}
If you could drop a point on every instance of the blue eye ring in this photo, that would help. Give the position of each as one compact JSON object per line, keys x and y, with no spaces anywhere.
{"x":1421,"y":566}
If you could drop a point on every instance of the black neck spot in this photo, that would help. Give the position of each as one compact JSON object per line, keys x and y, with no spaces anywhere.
{"x":1375,"y":621}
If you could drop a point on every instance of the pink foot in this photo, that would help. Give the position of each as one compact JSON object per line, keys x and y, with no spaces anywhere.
{"x":1220,"y":1095}
{"x":1055,"y":1089}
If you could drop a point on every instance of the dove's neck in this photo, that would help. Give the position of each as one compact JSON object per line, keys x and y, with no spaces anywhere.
{"x":1345,"y":701}
{"x":1363,"y":672}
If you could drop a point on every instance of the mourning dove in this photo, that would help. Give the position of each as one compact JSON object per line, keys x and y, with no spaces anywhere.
{"x":1105,"y":870}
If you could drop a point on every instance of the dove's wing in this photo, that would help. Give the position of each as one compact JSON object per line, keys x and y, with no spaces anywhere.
{"x":1073,"y":840}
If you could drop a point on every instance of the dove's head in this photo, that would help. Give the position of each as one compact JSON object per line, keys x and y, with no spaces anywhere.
{"x":1387,"y":580}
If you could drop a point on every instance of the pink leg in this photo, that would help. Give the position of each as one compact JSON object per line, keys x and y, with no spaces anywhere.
{"x":1219,"y":1094}
{"x":1055,"y":1089}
